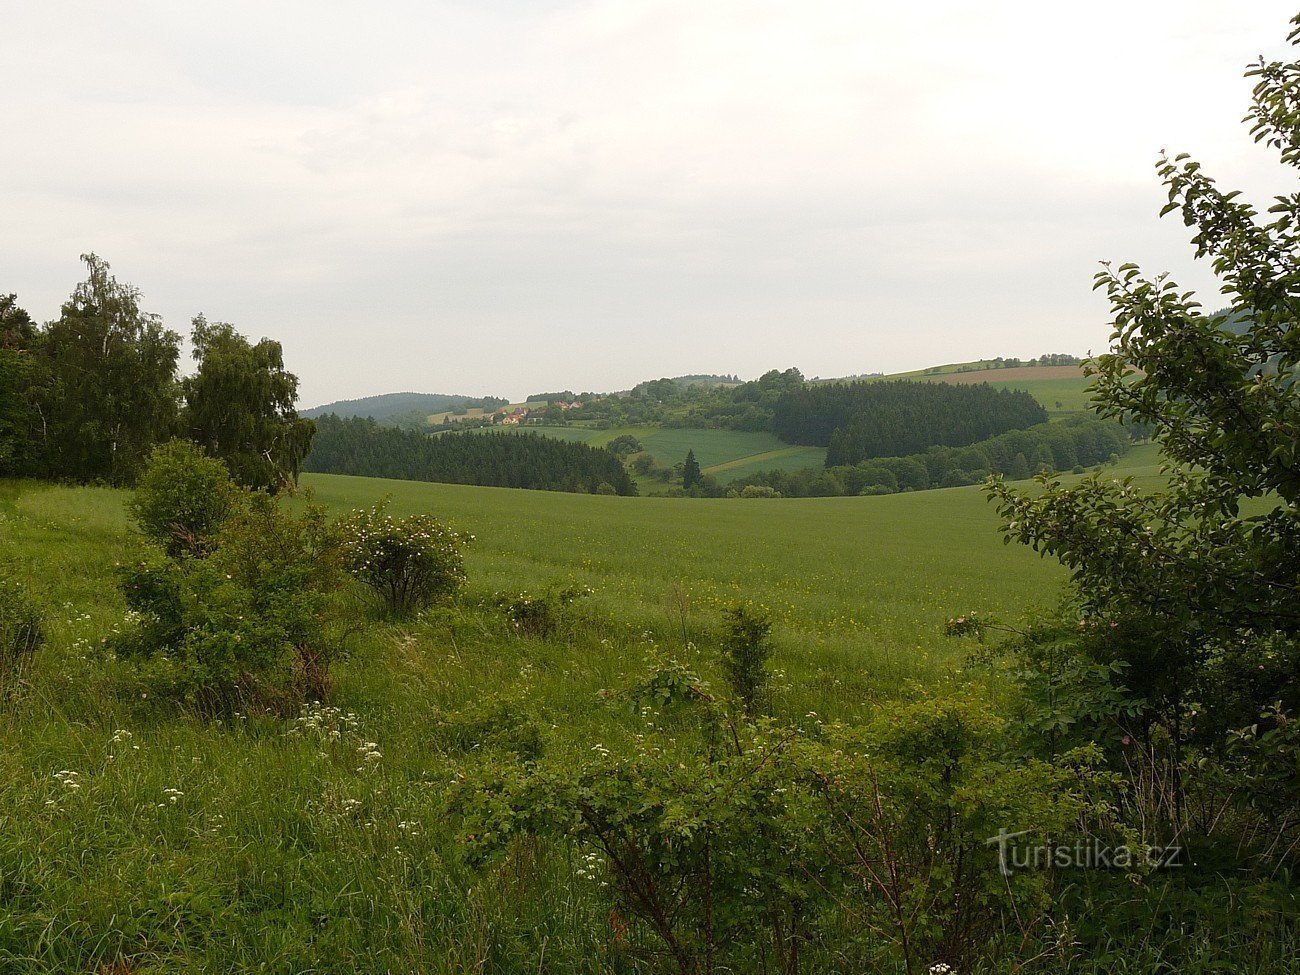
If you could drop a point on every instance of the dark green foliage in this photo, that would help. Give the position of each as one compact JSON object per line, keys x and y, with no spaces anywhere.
{"x":691,"y":473}
{"x":408,"y":562}
{"x":625,"y":445}
{"x":239,"y":406}
{"x":183,"y":498}
{"x":255,"y":623}
{"x":859,"y":421}
{"x":538,"y":614}
{"x":519,"y":460}
{"x":108,"y":390}
{"x":746,"y":648}
{"x":22,"y":632}
{"x":18,"y":376}
{"x":89,"y":395}
{"x":1080,"y":440}
{"x":1194,"y":587}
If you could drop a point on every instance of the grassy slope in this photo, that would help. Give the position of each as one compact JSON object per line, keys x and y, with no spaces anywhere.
{"x":1050,"y":385}
{"x":726,"y":454}
{"x":264,"y":863}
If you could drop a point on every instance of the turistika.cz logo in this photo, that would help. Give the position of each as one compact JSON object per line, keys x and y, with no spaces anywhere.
{"x":1015,"y":855}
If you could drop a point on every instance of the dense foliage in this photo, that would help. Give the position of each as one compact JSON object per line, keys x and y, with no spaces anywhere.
{"x":408,"y":562}
{"x":255,"y":624}
{"x":858,"y":421}
{"x":87,"y":396}
{"x":106,"y":384}
{"x":361,"y":446}
{"x":1193,"y":588}
{"x":183,"y":498}
{"x":239,"y":406}
{"x":1076,"y":442}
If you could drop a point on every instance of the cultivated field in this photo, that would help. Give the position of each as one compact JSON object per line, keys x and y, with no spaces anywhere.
{"x":1061,"y":389}
{"x":726,"y":454}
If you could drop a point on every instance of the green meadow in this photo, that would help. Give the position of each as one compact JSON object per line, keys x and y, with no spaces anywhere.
{"x":726,"y":454}
{"x":180,"y":846}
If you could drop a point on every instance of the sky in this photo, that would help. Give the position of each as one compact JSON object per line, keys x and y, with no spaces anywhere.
{"x":504,"y":197}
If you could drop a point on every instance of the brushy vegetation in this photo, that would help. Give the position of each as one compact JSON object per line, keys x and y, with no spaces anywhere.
{"x":183,"y":498}
{"x":408,"y":562}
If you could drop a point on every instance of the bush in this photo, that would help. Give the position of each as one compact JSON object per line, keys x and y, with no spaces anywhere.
{"x":746,"y":647}
{"x":183,"y":498}
{"x":538,"y":614}
{"x":21,"y":632}
{"x":409,"y":562}
{"x":257,"y":622}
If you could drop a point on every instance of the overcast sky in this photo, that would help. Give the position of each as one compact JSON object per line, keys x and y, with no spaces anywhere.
{"x":498,"y":196}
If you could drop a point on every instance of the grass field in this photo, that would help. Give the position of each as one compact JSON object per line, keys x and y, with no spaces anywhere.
{"x":1062,"y":390}
{"x":275,"y":855}
{"x":189,"y":847}
{"x":726,"y":454}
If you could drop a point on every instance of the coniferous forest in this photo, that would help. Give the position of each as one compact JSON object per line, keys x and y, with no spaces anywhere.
{"x":361,"y":446}
{"x":858,"y":421}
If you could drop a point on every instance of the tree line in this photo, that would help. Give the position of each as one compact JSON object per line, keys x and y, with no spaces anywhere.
{"x":857,"y":421}
{"x":362,"y":447}
{"x":1071,"y":444}
{"x":87,"y":396}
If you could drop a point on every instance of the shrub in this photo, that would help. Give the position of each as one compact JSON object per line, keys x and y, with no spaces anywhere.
{"x":539,"y":614}
{"x":912,"y":798}
{"x":21,"y":632}
{"x":408,"y":562}
{"x":746,"y":648}
{"x":257,"y":622}
{"x":183,"y":498}
{"x":704,"y":860}
{"x":493,"y":724}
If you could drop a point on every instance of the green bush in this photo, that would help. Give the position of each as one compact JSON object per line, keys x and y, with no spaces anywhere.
{"x":255,"y":623}
{"x":746,"y":648}
{"x":408,"y":562}
{"x":538,"y":614}
{"x":183,"y":498}
{"x":746,"y":849}
{"x":21,"y":632}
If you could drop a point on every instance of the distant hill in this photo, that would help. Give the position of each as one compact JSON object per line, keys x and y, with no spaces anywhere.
{"x":389,"y":406}
{"x":1061,"y":387}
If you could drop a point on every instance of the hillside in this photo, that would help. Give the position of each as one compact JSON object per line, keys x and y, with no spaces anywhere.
{"x":389,"y":405}
{"x":1061,"y":389}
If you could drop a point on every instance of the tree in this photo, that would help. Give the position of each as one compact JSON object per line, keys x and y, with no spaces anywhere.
{"x":239,"y":406}
{"x":18,"y":370}
{"x":691,"y":473}
{"x":624,"y":445}
{"x":1199,"y":580}
{"x":109,"y":393}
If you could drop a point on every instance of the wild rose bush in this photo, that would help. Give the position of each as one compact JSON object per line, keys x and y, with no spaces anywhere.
{"x":408,"y":562}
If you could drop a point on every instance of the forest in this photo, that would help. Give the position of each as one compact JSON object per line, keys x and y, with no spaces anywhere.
{"x":88,"y":396}
{"x":1068,"y":445}
{"x":517,"y":460}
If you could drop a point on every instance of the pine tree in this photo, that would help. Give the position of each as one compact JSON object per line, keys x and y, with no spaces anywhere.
{"x":691,"y":473}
